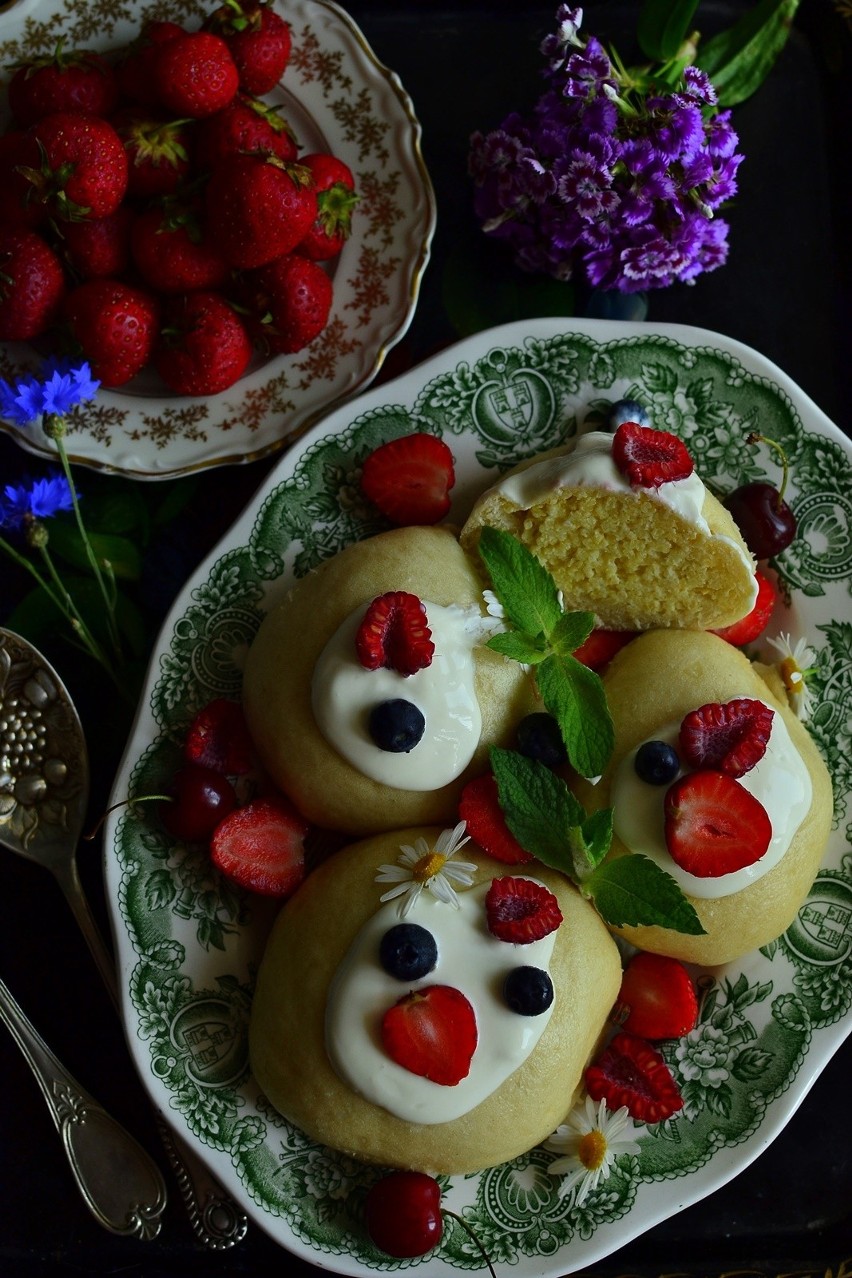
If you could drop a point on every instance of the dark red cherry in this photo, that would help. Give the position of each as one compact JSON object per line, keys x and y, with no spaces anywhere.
{"x":403,"y":1214}
{"x":201,"y":799}
{"x":766,"y":522}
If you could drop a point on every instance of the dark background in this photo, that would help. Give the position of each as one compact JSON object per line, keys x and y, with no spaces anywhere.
{"x":786,"y":292}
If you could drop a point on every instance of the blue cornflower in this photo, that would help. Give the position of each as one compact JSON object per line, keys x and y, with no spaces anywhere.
{"x":38,"y":499}
{"x":62,"y":384}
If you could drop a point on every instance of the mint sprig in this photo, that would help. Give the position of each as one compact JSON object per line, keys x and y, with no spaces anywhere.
{"x":551,"y":824}
{"x":545,"y":636}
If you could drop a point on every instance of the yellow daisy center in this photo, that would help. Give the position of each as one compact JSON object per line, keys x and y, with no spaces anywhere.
{"x":790,"y":673}
{"x":592,"y":1150}
{"x":430,"y":864}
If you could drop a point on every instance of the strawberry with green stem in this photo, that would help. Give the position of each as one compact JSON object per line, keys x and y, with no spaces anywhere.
{"x":157,"y":151}
{"x":76,"y":80}
{"x":259,"y":208}
{"x":82,"y":170}
{"x":259,"y":41}
{"x":203,"y":346}
{"x":336,"y":201}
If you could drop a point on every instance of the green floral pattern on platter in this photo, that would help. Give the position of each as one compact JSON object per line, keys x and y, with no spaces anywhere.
{"x":336,"y":96}
{"x":193,"y":943}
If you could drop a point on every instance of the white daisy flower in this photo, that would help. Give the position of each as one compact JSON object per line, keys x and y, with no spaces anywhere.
{"x":590,"y":1141}
{"x":795,"y":665}
{"x":424,"y":868}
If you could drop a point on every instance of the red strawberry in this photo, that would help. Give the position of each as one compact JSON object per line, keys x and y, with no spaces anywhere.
{"x":261,"y":846}
{"x":731,"y":736}
{"x":195,"y":74}
{"x":755,"y":622}
{"x":259,"y":41}
{"x":631,"y":1072}
{"x":20,"y":202}
{"x":173,"y":252}
{"x":204,"y":346}
{"x":657,"y":998}
{"x":115,"y":326}
{"x":157,"y":151}
{"x":432,"y":1032}
{"x":479,"y":808}
{"x":218,"y":738}
{"x":246,"y":124}
{"x":289,"y":301}
{"x":650,"y":457}
{"x":601,"y":646}
{"x":65,"y":80}
{"x":520,"y":911}
{"x":714,"y":825}
{"x":135,"y":70}
{"x":394,"y":634}
{"x":336,"y":200}
{"x":259,"y":207}
{"x":99,"y":246}
{"x":410,"y":478}
{"x":84,"y":166}
{"x":32,"y":284}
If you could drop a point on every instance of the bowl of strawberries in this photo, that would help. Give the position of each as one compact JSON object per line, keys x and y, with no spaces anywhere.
{"x":226,"y":216}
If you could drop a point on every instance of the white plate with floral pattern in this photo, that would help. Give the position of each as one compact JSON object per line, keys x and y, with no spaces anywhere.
{"x":337,"y":97}
{"x":188,"y":944}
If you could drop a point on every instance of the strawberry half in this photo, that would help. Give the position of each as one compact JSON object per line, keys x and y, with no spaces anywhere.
{"x":218,"y":738}
{"x":729,"y":736}
{"x":432,"y":1032}
{"x":649,"y":457}
{"x":631,"y":1072}
{"x":520,"y":911}
{"x":601,"y":646}
{"x":479,"y":808}
{"x":713,"y":825}
{"x":753,"y":624}
{"x":410,"y":478}
{"x":394,"y":634}
{"x":657,"y":998}
{"x":261,"y":846}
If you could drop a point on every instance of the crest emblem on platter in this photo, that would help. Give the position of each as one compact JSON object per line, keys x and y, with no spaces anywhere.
{"x":517,"y":407}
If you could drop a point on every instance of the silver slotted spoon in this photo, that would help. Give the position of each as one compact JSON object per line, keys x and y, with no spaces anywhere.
{"x":44,"y":792}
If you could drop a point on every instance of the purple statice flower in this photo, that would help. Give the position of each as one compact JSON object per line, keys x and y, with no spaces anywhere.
{"x":61,"y":385}
{"x":612,"y":178}
{"x":35,"y":499}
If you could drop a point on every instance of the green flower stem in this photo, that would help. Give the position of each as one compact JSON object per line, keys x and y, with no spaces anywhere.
{"x":72,"y":612}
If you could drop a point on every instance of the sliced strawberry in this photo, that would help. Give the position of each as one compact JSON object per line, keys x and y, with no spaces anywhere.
{"x":479,"y":808}
{"x":394,"y":634}
{"x":409,"y":479}
{"x":261,"y":846}
{"x":631,"y":1072}
{"x":753,"y":624}
{"x":729,"y":736}
{"x":657,"y":998}
{"x":520,"y":911}
{"x":713,"y":825}
{"x":601,"y":646}
{"x":650,"y":457}
{"x":218,"y":738}
{"x":432,"y":1032}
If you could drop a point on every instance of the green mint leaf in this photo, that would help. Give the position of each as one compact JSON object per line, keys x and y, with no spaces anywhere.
{"x":633,"y":890}
{"x":739,"y":59}
{"x":662,"y":27}
{"x":540,"y":810}
{"x":528,"y":649}
{"x":525,"y":589}
{"x":571,"y":630}
{"x":575,"y":697}
{"x":597,"y":835}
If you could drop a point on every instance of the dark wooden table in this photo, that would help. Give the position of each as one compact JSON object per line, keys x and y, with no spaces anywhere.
{"x":785,"y":291}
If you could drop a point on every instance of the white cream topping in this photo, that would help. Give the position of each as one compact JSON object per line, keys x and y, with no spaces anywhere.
{"x":589,"y":464}
{"x":471,"y":960}
{"x":343,"y":693}
{"x":780,"y":780}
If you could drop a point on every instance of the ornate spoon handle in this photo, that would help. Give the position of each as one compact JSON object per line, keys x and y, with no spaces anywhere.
{"x":121,"y":1185}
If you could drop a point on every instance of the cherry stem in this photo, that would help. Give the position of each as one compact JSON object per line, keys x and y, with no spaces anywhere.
{"x":756,"y":438}
{"x":124,"y":803}
{"x":466,"y":1227}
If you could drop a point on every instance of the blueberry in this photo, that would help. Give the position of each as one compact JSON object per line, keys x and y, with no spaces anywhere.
{"x":627,"y":410}
{"x":408,"y":951}
{"x":396,"y":725}
{"x":656,"y":762}
{"x":539,"y":738}
{"x":528,"y":990}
